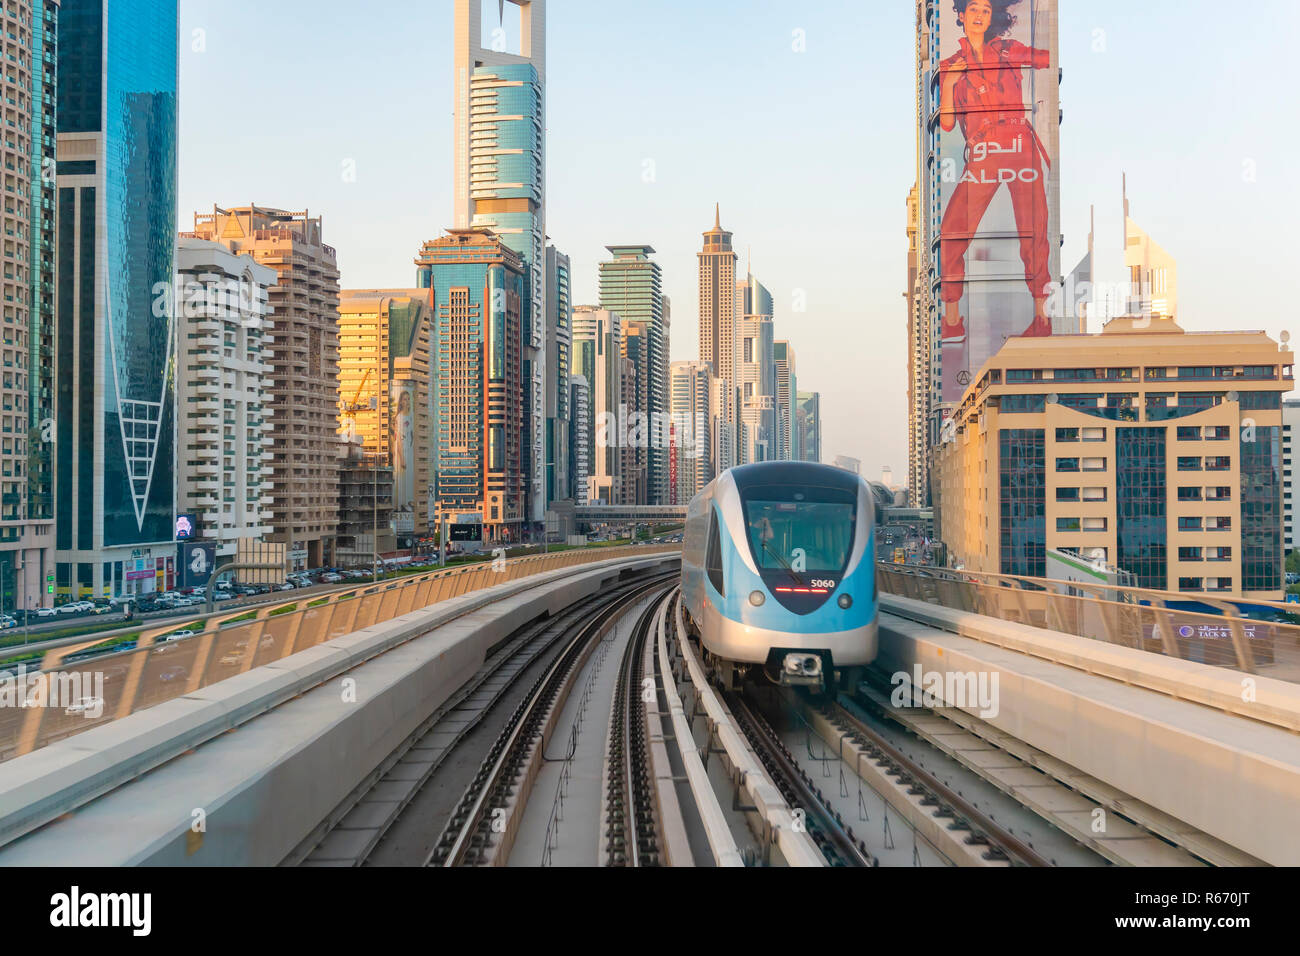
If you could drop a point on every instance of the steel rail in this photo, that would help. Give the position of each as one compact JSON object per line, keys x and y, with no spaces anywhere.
{"x":526,"y":727}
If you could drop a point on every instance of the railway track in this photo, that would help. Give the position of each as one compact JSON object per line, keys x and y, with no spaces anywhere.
{"x":631,"y":835}
{"x":681,"y":773}
{"x":485,"y":823}
{"x":359,"y":832}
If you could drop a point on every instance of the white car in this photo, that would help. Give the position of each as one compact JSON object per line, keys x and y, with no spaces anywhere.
{"x":331,"y":578}
{"x":7,"y":622}
{"x":223,"y":596}
{"x":84,"y":705}
{"x":46,"y":612}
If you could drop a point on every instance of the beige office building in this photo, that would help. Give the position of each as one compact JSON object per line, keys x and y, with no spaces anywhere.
{"x":1143,"y":447}
{"x":304,"y":371}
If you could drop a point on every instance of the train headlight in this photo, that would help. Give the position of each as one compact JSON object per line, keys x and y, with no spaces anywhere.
{"x":845,"y":601}
{"x":757,"y":598}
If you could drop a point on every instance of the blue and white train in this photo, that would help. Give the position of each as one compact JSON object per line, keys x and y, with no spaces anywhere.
{"x":779,"y":573}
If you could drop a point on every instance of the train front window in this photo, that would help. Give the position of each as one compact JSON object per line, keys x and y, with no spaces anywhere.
{"x":802,"y":531}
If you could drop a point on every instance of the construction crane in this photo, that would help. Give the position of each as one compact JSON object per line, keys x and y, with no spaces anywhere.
{"x":356,"y":405}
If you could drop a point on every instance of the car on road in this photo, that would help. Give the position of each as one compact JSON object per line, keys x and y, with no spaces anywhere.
{"x":7,"y":622}
{"x":103,"y":609}
{"x":286,"y":586}
{"x":170,"y":674}
{"x":46,"y":612}
{"x":331,"y":578}
{"x":85,"y":705}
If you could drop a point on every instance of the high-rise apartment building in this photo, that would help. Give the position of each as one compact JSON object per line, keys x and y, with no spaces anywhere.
{"x":304,"y":355}
{"x":580,"y":435}
{"x":717,"y":268}
{"x":500,"y":184}
{"x":559,"y":366}
{"x":116,"y":261}
{"x":386,"y":395}
{"x":478,"y":286}
{"x":598,"y":358}
{"x":638,"y":372}
{"x":918,"y":361}
{"x":1139,"y":447}
{"x":631,"y":286}
{"x":787,"y":387}
{"x":223,"y":424}
{"x":30,"y":30}
{"x":692,"y":385}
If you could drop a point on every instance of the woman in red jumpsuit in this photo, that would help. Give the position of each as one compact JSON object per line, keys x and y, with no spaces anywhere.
{"x":980,"y":88}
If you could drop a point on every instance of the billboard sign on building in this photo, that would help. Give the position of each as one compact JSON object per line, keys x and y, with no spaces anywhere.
{"x":198,"y":560}
{"x":401,"y":439}
{"x":994,"y":129}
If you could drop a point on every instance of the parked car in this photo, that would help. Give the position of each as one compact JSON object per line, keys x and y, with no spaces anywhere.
{"x":46,"y":612}
{"x":103,"y":609}
{"x":223,"y":596}
{"x":331,"y":578}
{"x":7,"y":622}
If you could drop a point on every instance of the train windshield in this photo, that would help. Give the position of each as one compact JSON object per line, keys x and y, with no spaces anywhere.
{"x":801,"y":530}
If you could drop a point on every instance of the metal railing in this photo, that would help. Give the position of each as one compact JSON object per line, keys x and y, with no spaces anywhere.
{"x":82,"y":685}
{"x":1127,"y":616}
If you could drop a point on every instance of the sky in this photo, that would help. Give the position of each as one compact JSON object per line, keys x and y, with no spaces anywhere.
{"x":797,"y":118}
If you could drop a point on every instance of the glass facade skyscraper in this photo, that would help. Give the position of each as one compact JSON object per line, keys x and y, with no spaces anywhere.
{"x":500,"y":184}
{"x":479,"y":293}
{"x":631,"y":287}
{"x":117,"y":162}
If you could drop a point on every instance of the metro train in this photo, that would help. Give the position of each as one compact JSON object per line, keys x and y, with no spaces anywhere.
{"x":779,"y":574}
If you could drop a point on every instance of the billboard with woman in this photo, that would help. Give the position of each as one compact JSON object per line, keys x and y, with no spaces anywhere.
{"x":994,"y":119}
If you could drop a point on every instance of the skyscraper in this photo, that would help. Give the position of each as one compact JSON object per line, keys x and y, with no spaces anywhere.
{"x":500,"y":183}
{"x":1152,"y":272}
{"x":580,"y":432}
{"x":787,"y":387}
{"x":223,"y":394}
{"x":988,"y":137}
{"x":114,"y":417}
{"x":717,"y":264}
{"x":479,"y":291}
{"x":597,"y":358}
{"x":631,"y":285}
{"x":692,"y":387}
{"x":559,"y":306}
{"x":755,"y":366}
{"x":918,"y":361}
{"x":304,"y":359}
{"x":386,"y":395}
{"x":27,"y":508}
{"x":808,"y":419}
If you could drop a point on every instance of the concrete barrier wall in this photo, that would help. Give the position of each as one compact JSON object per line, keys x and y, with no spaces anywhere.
{"x":1236,"y":779}
{"x":278,"y":748}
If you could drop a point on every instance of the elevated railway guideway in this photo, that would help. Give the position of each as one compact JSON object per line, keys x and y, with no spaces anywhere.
{"x":1175,"y":722}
